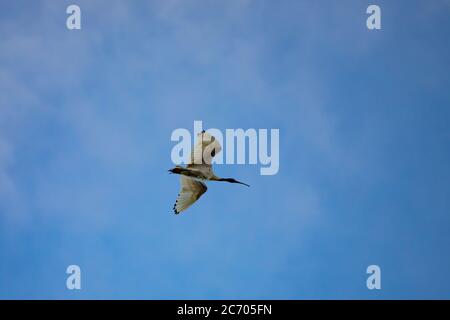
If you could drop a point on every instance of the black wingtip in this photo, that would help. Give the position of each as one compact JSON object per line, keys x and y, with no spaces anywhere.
{"x":175,"y":207}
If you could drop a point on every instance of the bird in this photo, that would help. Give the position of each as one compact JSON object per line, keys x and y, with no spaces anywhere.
{"x":197,"y":171}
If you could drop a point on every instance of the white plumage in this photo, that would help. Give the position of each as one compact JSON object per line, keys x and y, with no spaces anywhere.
{"x":199,"y":169}
{"x":191,"y":190}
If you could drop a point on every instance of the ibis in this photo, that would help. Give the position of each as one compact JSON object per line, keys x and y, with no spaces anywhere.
{"x":197,"y":171}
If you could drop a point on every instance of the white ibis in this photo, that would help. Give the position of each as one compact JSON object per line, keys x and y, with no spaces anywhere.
{"x":198,"y":170}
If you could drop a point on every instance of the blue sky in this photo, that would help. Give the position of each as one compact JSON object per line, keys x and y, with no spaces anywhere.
{"x":85,"y":124}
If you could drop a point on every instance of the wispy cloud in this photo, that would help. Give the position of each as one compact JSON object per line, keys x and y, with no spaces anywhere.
{"x":86,"y":117}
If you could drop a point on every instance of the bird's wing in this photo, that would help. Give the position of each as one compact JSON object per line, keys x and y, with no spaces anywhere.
{"x":204,"y":150}
{"x":191,"y":191}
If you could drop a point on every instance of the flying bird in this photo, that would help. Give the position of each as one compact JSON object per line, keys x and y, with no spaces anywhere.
{"x":197,"y":171}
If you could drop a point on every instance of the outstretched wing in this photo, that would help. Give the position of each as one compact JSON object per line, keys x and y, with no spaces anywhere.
{"x":205,"y":150}
{"x":191,"y":191}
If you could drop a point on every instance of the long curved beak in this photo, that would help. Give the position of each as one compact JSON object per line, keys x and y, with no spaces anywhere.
{"x":235,"y":181}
